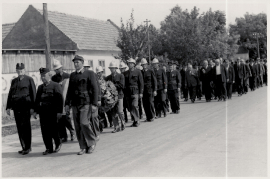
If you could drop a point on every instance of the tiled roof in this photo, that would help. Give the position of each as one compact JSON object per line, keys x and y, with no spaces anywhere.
{"x":6,"y":28}
{"x":88,"y":34}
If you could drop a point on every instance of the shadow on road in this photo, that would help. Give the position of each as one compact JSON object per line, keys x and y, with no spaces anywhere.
{"x":36,"y":154}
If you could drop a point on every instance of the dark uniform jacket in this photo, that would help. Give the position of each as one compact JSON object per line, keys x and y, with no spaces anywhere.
{"x":191,"y":78}
{"x":206,"y":77}
{"x":82,"y":89}
{"x":239,"y":71}
{"x":253,"y":70}
{"x":174,"y":79}
{"x":224,"y":75}
{"x":119,"y":81}
{"x":183,"y":77}
{"x":248,"y":72}
{"x":22,"y":94}
{"x":230,"y":73}
{"x":161,"y":79}
{"x":150,"y":81}
{"x":49,"y":98}
{"x":134,"y":82}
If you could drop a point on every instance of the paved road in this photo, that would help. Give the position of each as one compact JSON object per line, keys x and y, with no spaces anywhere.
{"x":214,"y":139}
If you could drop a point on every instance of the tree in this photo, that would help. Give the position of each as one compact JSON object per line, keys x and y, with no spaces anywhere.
{"x":248,"y":25}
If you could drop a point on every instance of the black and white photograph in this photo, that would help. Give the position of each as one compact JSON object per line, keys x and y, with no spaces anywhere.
{"x":167,"y":88}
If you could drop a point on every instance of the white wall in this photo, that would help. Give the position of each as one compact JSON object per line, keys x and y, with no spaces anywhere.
{"x":99,"y":55}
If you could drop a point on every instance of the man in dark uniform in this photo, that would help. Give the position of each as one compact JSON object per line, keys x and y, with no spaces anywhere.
{"x":62,"y":78}
{"x":183,"y":81}
{"x":199,"y":87}
{"x":164,"y":66}
{"x":247,"y":75}
{"x":134,"y":89}
{"x":49,"y":106}
{"x":239,"y":71}
{"x":174,"y":85}
{"x":205,"y":78}
{"x":122,"y":68}
{"x":150,"y":90}
{"x":253,"y":78}
{"x":160,"y":103}
{"x":21,"y":98}
{"x":265,"y":74}
{"x":82,"y":95}
{"x":231,"y":76}
{"x":119,"y":81}
{"x":191,"y":82}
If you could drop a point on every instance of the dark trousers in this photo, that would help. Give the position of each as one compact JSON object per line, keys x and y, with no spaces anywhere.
{"x":221,"y":91}
{"x":95,"y":123}
{"x":174,"y":100}
{"x":83,"y":125}
{"x":246,"y":84}
{"x":133,"y":101}
{"x":140,"y":107}
{"x":207,"y":89}
{"x":49,"y":129}
{"x":65,"y":122}
{"x":167,"y":102}
{"x":192,"y":92}
{"x":258,"y":81}
{"x":185,"y":92}
{"x":23,"y":124}
{"x":229,"y":89}
{"x":148,"y":105}
{"x":252,"y":83}
{"x":199,"y":91}
{"x":160,"y":102}
{"x":265,"y":78}
{"x":125,"y":109}
{"x":239,"y":83}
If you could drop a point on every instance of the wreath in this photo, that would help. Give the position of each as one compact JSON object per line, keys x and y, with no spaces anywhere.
{"x":109,"y":95}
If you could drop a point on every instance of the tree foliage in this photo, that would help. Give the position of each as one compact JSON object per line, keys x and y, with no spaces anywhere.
{"x":248,"y":25}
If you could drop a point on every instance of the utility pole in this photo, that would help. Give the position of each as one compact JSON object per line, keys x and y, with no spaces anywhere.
{"x":148,"y":39}
{"x":47,"y":37}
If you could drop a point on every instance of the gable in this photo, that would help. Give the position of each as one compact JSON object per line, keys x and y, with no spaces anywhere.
{"x":28,"y":33}
{"x":6,"y":28}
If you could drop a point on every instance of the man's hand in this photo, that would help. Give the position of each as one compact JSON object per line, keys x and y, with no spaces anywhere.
{"x":67,"y":110}
{"x":99,"y":103}
{"x":59,"y":115}
{"x":141,"y":95}
{"x":155,"y":93}
{"x":94,"y":108}
{"x":165,"y":90}
{"x":233,"y":82}
{"x":227,"y":80}
{"x":203,"y":70}
{"x":31,"y":111}
{"x":178,"y":90}
{"x":8,"y":112}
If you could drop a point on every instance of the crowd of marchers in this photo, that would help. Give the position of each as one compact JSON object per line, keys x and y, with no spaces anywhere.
{"x":157,"y":88}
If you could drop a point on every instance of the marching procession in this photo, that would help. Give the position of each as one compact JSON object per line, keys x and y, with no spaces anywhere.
{"x":96,"y":101}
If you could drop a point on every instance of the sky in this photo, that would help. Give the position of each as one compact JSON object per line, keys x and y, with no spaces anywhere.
{"x":155,"y":11}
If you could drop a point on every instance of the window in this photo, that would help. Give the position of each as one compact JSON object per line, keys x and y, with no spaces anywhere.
{"x":102,"y":63}
{"x":90,"y":63}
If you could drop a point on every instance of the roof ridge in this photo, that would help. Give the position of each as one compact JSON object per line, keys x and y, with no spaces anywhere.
{"x":87,"y":18}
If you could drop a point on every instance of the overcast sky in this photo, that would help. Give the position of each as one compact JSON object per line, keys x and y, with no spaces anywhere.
{"x":155,"y":11}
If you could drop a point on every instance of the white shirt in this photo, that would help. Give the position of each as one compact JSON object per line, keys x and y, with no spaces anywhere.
{"x":218,"y":70}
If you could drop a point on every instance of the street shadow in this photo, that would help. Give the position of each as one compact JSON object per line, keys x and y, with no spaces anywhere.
{"x":35,"y":154}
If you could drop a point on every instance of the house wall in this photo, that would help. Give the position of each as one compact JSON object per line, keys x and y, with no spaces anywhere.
{"x":96,"y":55}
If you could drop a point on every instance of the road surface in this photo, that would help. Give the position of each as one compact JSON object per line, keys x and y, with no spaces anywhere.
{"x":216,"y":139}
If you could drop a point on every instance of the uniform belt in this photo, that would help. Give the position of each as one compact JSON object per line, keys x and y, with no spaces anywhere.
{"x":19,"y":96}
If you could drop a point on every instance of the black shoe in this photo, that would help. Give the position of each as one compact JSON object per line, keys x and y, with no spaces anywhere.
{"x":81,"y":152}
{"x":47,"y":151}
{"x":91,"y":149}
{"x":57,"y":148}
{"x":165,"y":115}
{"x":111,"y":125}
{"x":64,"y":139}
{"x":123,"y":127}
{"x":20,"y":152}
{"x":151,"y":120}
{"x":192,"y":100}
{"x":25,"y":152}
{"x":116,"y":130}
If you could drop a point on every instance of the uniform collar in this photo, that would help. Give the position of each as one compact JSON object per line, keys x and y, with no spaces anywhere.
{"x":81,"y":70}
{"x":46,"y":84}
{"x":21,"y":78}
